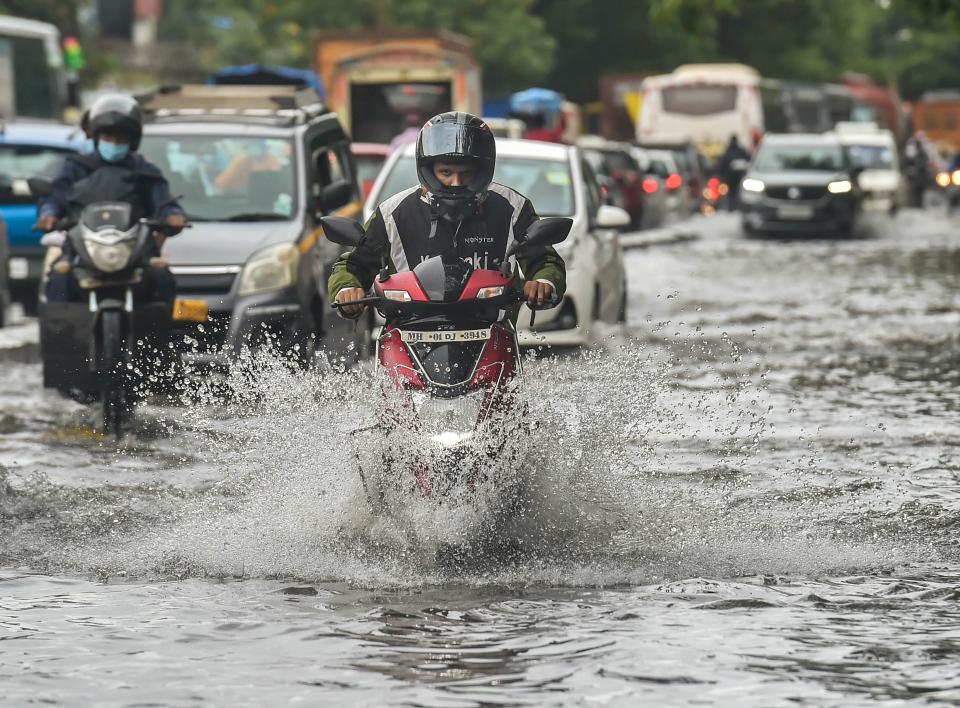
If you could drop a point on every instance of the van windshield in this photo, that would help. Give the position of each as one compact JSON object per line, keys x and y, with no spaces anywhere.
{"x":227,"y":178}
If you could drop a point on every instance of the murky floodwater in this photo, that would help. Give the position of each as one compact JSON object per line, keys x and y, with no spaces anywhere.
{"x":751,"y":497}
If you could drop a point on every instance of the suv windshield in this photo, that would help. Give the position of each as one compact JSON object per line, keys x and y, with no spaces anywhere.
{"x":227,"y":178}
{"x":547,"y":183}
{"x":22,"y":161}
{"x":783,"y":158}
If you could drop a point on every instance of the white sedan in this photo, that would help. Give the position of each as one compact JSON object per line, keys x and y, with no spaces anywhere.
{"x":559,"y":182}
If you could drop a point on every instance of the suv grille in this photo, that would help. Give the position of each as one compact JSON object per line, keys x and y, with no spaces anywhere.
{"x":808,"y":192}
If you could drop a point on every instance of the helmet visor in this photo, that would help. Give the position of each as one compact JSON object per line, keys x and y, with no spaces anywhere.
{"x":452,"y":140}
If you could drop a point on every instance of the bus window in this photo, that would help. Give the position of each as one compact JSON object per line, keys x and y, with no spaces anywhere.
{"x":699,"y":99}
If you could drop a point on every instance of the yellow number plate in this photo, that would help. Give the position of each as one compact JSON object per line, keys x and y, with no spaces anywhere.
{"x":190,"y":310}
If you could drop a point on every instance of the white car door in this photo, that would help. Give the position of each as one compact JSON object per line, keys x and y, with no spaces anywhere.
{"x":607,"y":253}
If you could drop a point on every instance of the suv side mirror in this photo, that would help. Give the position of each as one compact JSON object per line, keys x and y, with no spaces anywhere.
{"x":335,"y":195}
{"x":341,"y":230}
{"x":40,"y":187}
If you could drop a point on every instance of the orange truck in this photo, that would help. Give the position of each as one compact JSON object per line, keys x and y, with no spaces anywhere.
{"x":381,"y":82}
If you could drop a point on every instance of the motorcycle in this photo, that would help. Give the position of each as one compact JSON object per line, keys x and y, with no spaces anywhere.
{"x":100,"y":348}
{"x":449,"y":359}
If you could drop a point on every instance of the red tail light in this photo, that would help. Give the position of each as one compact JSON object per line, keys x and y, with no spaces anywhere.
{"x":650,"y":185}
{"x":674,"y":181}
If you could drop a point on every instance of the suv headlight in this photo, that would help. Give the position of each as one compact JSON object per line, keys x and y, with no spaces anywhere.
{"x":841,"y":186}
{"x":270,"y":269}
{"x":752,"y":185}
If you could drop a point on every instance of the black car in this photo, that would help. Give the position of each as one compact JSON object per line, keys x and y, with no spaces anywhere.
{"x":800,"y":184}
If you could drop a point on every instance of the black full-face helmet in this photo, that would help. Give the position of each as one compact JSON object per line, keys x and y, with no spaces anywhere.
{"x":456,"y":137}
{"x":120,"y":113}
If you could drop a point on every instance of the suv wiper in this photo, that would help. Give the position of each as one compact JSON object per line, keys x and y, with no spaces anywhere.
{"x":256,"y":216}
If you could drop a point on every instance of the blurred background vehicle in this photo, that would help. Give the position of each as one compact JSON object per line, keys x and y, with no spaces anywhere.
{"x":560,"y":182}
{"x":663,"y":163}
{"x":375,"y":79}
{"x":690,"y":168}
{"x":873,"y":156}
{"x":506,"y":127}
{"x":29,"y":149}
{"x":369,"y":159}
{"x":800,"y":184}
{"x":33,"y":79}
{"x":634,"y":188}
{"x":704,"y":104}
{"x":257,"y":166}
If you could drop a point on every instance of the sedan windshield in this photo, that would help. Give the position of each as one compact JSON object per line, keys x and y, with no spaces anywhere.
{"x":23,"y":161}
{"x":227,"y":178}
{"x":784,"y":158}
{"x":546,"y":183}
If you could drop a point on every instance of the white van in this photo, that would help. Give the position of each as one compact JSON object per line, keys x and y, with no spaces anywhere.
{"x":874,"y":151}
{"x":704,"y":104}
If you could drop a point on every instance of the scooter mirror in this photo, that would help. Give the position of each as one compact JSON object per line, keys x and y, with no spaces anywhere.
{"x":40,"y":187}
{"x":548,"y":231}
{"x":342,"y":230}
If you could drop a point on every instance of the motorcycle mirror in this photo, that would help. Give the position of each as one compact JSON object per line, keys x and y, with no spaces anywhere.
{"x":342,"y":230}
{"x":40,"y":187}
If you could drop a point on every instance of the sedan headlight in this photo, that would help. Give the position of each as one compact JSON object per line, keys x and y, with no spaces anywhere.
{"x":841,"y":186}
{"x":752,"y":185}
{"x":109,"y":251}
{"x":270,"y":269}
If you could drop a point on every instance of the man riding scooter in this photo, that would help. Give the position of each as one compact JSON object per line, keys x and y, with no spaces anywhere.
{"x":116,"y":126}
{"x":457,"y":211}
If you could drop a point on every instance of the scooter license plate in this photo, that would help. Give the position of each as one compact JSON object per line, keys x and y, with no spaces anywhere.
{"x":440,"y":337}
{"x":190,"y":310}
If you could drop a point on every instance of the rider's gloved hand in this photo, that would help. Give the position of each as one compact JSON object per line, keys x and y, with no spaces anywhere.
{"x":537,"y":292}
{"x":46,"y":223}
{"x":351,"y":295}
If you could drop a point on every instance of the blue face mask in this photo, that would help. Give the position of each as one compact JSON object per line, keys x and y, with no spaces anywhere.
{"x":111,"y":152}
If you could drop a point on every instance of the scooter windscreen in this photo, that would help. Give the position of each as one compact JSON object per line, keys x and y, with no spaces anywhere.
{"x":107,"y":215}
{"x":442,"y":281}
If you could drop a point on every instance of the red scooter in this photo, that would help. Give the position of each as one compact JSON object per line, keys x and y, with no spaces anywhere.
{"x":450,"y":362}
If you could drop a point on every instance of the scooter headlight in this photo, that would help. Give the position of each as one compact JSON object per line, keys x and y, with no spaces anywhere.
{"x":449,"y":421}
{"x":109,"y":250}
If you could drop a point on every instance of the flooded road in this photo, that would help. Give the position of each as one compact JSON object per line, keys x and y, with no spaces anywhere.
{"x":749,"y":497}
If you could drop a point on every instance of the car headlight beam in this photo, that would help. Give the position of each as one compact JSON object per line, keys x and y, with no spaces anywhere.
{"x":271,"y":268}
{"x":841,"y":186}
{"x":752,"y":185}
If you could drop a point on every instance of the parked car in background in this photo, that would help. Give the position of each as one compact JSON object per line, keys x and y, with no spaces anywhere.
{"x":873,"y":155}
{"x":257,"y":166}
{"x":29,"y":149}
{"x":369,"y":159}
{"x":800,"y":184}
{"x":560,"y":182}
{"x":631,"y":185}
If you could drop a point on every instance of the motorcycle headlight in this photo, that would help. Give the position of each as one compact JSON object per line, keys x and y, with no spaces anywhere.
{"x":449,"y":421}
{"x":109,"y":251}
{"x":270,"y":269}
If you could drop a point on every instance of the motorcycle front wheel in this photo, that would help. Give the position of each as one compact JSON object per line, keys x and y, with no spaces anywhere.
{"x":114,"y":390}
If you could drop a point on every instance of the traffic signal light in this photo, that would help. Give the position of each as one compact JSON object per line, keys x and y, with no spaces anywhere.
{"x":73,"y":54}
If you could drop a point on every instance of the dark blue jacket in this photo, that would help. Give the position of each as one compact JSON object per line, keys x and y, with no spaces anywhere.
{"x":78,"y":167}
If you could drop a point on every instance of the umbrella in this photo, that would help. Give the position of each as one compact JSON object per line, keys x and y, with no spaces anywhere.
{"x":536,"y":100}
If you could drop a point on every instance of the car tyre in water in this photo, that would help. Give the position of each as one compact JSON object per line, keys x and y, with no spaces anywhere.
{"x":622,"y":313}
{"x":114,"y":390}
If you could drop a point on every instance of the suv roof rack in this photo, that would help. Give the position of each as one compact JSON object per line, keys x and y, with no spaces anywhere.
{"x":277,"y":105}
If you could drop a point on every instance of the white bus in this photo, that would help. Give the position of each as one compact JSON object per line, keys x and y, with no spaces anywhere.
{"x":32,"y":77}
{"x":703,"y":104}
